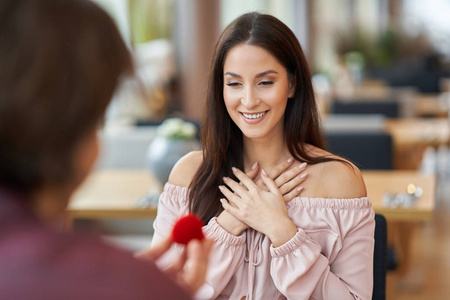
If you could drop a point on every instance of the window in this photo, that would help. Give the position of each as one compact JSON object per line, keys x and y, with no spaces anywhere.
{"x":146,"y":27}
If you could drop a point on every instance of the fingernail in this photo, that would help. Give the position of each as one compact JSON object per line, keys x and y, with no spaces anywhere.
{"x":304,"y":175}
{"x":302,"y":165}
{"x":254,"y":165}
{"x":225,"y":179}
{"x":263,"y":172}
{"x":300,"y":189}
{"x":220,"y":187}
{"x":234,"y":169}
{"x":290,"y":159}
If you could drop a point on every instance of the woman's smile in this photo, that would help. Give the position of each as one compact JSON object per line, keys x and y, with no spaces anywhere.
{"x":253,"y":118}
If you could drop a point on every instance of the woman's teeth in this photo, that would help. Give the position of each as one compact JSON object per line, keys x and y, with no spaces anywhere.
{"x":254,"y":116}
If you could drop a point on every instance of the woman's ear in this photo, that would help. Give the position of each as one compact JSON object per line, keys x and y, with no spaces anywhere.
{"x":291,"y":86}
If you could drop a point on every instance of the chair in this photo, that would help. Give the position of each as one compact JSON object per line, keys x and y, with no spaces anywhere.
{"x":380,"y":258}
{"x":368,"y":150}
{"x":387,"y":108}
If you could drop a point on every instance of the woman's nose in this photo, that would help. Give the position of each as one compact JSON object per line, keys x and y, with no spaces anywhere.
{"x":249,"y":99}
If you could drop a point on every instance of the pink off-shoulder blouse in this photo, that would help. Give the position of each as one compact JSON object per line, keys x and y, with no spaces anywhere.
{"x":330,"y":257}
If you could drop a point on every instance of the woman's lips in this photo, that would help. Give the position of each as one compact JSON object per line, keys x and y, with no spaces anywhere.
{"x":253,"y":118}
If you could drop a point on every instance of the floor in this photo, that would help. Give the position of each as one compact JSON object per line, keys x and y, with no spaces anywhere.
{"x":428,"y":278}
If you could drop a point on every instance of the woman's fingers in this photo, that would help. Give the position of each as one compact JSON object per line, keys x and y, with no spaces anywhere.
{"x":244,"y":179}
{"x":273,"y":188}
{"x":253,"y":171}
{"x":227,"y":193}
{"x":290,"y":175}
{"x":243,"y":186}
{"x":293,"y":183}
{"x":234,"y":211}
{"x":261,"y":184}
{"x":285,"y":177}
{"x":292,"y":194}
{"x":278,"y":170}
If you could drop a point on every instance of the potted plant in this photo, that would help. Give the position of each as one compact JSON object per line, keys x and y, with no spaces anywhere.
{"x":175,"y":138}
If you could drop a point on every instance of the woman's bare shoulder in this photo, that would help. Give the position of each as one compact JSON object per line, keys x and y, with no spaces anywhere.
{"x":343,"y":180}
{"x":337,"y":178}
{"x":184,"y":170}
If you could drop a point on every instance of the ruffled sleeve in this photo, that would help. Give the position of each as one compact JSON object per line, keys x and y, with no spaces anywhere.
{"x":172,"y":204}
{"x":226,"y":257}
{"x":306,"y":268}
{"x":228,"y":251}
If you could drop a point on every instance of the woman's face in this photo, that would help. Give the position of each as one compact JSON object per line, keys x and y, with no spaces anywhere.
{"x":256,"y":90}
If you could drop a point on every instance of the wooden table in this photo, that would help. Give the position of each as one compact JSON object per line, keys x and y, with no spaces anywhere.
{"x":429,"y":105}
{"x":111,"y":194}
{"x":380,"y":182}
{"x":115,"y":194}
{"x":411,"y":136}
{"x":419,"y":131}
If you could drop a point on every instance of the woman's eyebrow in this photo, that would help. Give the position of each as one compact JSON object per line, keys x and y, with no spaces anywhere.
{"x":262,"y":74}
{"x":233,"y":74}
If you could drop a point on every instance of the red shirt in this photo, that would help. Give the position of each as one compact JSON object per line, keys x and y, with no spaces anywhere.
{"x":39,"y":263}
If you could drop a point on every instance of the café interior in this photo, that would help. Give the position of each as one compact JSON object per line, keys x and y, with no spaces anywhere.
{"x":381,"y":76}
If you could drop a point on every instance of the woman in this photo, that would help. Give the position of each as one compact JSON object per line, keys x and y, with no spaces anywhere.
{"x":260,"y":107}
{"x":60,"y":62}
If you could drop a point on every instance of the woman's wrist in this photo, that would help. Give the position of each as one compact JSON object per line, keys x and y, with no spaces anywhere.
{"x":230,"y":223}
{"x":282,"y":232}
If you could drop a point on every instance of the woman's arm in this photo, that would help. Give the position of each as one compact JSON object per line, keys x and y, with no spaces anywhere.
{"x":227,"y":253}
{"x":301,"y":271}
{"x":228,"y":250}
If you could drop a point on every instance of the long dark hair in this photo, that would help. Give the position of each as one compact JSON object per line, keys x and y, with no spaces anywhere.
{"x":221,"y":139}
{"x":60,"y":62}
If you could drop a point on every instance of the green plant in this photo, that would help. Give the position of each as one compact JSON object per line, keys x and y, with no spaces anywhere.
{"x":176,"y":128}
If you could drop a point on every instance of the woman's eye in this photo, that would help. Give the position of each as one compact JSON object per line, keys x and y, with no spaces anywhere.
{"x":266,"y":82}
{"x":232,"y":83}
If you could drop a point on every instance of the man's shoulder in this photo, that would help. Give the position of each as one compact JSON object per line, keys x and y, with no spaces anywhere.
{"x":79,"y":266}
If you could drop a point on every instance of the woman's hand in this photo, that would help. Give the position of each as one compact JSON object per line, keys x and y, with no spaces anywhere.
{"x":264,"y":211}
{"x":189,"y":271}
{"x":228,"y":221}
{"x":288,"y":178}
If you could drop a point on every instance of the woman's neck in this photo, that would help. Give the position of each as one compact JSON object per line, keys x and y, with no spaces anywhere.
{"x":268,"y":153}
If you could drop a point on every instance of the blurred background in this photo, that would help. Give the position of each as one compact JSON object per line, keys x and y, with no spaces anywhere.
{"x":381,"y":73}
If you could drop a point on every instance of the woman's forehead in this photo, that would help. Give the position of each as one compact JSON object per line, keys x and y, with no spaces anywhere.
{"x":250,"y":59}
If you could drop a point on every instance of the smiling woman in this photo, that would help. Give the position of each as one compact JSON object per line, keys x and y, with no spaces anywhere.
{"x":256,"y":89}
{"x":259,"y":131}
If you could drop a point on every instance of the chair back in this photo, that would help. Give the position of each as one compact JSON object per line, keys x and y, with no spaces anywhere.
{"x":387,"y":108}
{"x":368,"y":150}
{"x":380,"y":258}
